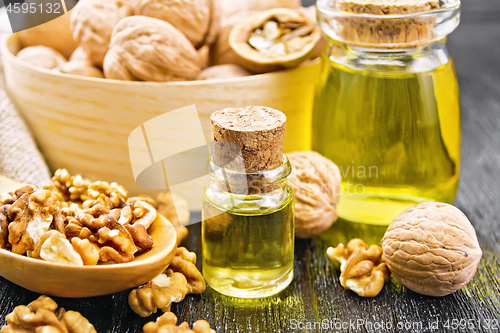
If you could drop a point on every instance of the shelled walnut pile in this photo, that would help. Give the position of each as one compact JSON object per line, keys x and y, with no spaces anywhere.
{"x":43,"y":316}
{"x":78,"y":222}
{"x":163,"y":41}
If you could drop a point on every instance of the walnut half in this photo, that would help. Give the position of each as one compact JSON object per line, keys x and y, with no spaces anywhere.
{"x":181,"y":278}
{"x":168,"y":321}
{"x":363,"y":269}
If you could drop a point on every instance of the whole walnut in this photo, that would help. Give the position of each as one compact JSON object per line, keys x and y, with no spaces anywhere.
{"x":432,"y":249}
{"x":55,"y":34}
{"x":92,"y":23}
{"x":148,"y":49}
{"x":81,"y":64}
{"x":315,"y":181}
{"x":81,"y":68}
{"x":192,"y":17}
{"x":42,"y":56}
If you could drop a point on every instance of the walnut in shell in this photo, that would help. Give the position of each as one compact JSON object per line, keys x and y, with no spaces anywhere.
{"x":81,"y":64}
{"x":315,"y":181}
{"x":223,"y":72}
{"x":81,"y":68}
{"x":92,"y":23}
{"x":432,"y":249}
{"x":275,"y":39}
{"x":148,"y":49}
{"x":42,"y":56}
{"x":192,"y":17}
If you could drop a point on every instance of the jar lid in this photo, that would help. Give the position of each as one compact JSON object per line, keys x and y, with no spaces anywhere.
{"x":388,"y":23}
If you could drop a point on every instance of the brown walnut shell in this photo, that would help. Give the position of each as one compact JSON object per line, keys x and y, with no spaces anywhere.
{"x":432,"y":249}
{"x":92,"y":23}
{"x":192,"y":17}
{"x":148,"y":49}
{"x":315,"y":181}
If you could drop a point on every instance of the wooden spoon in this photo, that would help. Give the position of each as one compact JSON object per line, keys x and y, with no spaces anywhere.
{"x":73,"y":281}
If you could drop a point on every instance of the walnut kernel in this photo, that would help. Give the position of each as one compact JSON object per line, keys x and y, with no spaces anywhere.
{"x":363,"y":269}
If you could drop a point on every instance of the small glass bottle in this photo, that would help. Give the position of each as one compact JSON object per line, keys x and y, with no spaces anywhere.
{"x":387,"y":107}
{"x":248,"y":213}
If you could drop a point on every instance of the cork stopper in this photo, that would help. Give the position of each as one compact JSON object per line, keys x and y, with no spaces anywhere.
{"x":393,"y":32}
{"x":257,"y":131}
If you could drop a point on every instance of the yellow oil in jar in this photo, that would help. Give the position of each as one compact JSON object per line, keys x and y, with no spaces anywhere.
{"x":248,"y":249}
{"x":395,"y":136}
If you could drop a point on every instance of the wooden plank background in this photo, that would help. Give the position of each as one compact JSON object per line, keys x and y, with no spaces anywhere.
{"x":315,"y":293}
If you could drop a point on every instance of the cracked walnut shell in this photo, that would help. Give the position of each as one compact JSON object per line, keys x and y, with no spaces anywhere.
{"x":315,"y":181}
{"x":363,"y":269}
{"x":432,"y":249}
{"x":92,"y":23}
{"x":148,"y":49}
{"x":275,"y":39}
{"x":43,"y":316}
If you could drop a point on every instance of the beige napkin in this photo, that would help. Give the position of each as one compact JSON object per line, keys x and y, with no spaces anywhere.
{"x":20,"y":158}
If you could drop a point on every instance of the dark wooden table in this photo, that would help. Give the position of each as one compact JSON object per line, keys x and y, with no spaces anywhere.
{"x":315,"y":294}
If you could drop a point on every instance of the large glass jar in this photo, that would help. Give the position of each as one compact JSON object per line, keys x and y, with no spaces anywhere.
{"x":248,"y":231}
{"x":387,"y":107}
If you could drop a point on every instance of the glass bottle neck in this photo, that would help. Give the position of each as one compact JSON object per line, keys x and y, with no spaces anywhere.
{"x":243,"y":182}
{"x":408,"y":60}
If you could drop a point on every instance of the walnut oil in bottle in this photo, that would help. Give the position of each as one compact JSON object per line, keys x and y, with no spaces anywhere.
{"x":387,"y":110}
{"x":248,"y":208}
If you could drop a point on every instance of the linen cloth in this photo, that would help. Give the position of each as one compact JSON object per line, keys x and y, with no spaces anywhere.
{"x":20,"y":158}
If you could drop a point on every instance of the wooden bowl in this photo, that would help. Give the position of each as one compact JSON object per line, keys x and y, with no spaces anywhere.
{"x":83,"y":124}
{"x":70,"y":281}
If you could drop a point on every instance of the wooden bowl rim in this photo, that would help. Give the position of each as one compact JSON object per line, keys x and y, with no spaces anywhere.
{"x":5,"y":51}
{"x":102,"y":268}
